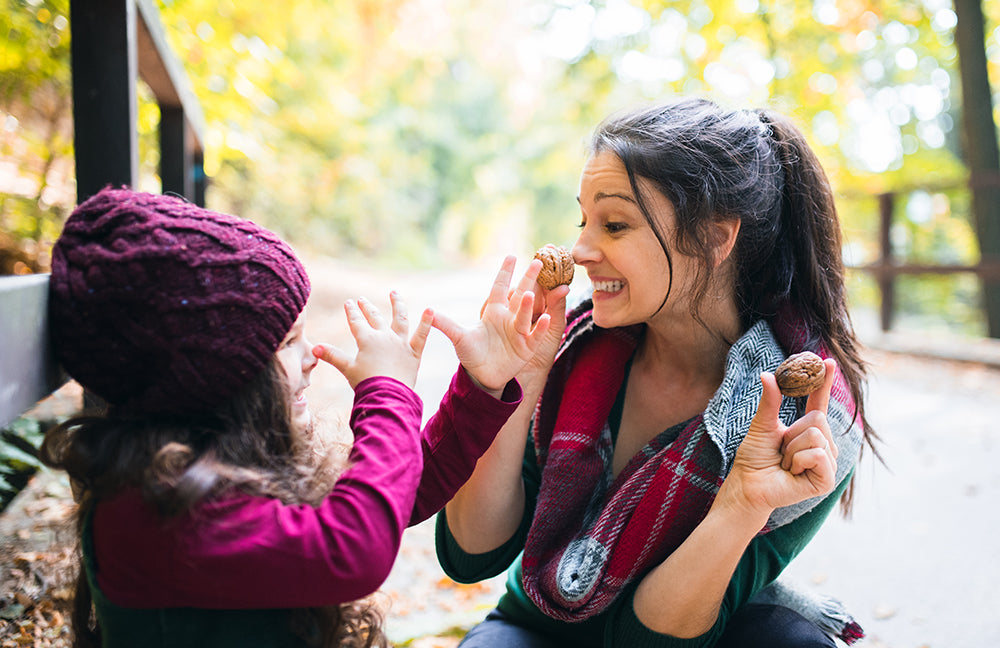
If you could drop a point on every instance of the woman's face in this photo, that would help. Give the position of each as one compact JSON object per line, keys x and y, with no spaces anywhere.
{"x":620,"y":252}
{"x":297,"y":360}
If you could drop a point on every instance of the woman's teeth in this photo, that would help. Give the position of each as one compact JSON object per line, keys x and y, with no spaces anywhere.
{"x":609,"y":286}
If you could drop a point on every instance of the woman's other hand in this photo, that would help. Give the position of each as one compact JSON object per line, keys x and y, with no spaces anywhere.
{"x":778,"y":465}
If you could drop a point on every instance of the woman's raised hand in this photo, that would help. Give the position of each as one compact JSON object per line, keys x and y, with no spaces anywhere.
{"x":383,"y":347}
{"x":779,"y":465}
{"x":508,"y":334}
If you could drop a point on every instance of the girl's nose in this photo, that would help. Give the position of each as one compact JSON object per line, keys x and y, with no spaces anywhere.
{"x":309,"y":361}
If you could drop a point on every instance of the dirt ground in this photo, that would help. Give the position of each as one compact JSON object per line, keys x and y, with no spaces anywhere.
{"x":915,"y":563}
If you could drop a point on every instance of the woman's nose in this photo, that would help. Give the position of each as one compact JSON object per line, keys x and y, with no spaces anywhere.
{"x":583,"y":250}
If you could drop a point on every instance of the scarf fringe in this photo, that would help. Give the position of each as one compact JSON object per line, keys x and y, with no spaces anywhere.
{"x":826,"y":612}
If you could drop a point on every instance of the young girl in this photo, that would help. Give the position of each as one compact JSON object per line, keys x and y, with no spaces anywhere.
{"x":211,"y":513}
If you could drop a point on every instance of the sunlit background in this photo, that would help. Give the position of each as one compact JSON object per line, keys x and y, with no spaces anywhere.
{"x":418,"y":133}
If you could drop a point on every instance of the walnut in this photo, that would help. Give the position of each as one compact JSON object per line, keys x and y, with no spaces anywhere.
{"x":557,"y":266}
{"x":800,"y":374}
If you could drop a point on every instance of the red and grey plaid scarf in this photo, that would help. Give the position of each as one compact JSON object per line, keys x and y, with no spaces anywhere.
{"x":591,"y":535}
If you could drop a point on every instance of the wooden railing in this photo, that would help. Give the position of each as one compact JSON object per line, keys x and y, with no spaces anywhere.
{"x":887,"y":268}
{"x":114,"y":42}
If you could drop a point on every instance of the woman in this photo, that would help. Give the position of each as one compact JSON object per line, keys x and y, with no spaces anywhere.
{"x":654,"y":477}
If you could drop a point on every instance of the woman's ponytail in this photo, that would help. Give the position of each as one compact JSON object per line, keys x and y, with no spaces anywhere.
{"x":811,"y":232}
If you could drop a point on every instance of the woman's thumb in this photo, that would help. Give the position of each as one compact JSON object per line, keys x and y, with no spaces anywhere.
{"x":770,"y":400}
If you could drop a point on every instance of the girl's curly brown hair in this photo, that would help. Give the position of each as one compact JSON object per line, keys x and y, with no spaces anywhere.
{"x":247,"y":443}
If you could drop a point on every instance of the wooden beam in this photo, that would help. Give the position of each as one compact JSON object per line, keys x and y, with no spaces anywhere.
{"x":164,"y":73}
{"x":28,"y":371}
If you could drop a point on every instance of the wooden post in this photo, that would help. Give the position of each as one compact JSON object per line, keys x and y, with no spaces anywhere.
{"x":885,"y":275}
{"x":105,"y":109}
{"x":182,"y":123}
{"x":176,"y":154}
{"x":980,"y":150}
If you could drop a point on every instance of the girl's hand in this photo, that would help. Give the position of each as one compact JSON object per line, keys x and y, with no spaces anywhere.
{"x":506,"y":338}
{"x":778,"y":465}
{"x":383,"y":349}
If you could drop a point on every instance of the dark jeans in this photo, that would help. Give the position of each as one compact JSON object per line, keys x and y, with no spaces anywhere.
{"x":753,"y":626}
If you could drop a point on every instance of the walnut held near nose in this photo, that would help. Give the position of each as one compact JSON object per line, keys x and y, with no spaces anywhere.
{"x":800,"y":374}
{"x":557,"y":266}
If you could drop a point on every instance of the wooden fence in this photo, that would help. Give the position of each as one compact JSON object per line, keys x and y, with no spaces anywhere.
{"x":887,"y":267}
{"x":114,"y":43}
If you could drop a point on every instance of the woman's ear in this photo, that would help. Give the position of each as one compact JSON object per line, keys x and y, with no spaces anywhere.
{"x":724,"y":233}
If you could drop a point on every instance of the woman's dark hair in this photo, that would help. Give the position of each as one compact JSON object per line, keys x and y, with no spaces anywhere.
{"x":715,"y":164}
{"x":247,"y":443}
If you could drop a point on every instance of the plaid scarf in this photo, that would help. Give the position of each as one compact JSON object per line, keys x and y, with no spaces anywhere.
{"x":593,"y":535}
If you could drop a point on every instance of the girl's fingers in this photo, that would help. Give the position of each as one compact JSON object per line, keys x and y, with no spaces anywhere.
{"x":355,"y":318}
{"x":372,"y":314}
{"x":819,"y":400}
{"x":400,"y":323}
{"x":332,"y":355}
{"x":419,"y":338}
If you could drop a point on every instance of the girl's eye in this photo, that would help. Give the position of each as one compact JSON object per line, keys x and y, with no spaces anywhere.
{"x":291,"y":341}
{"x":615,"y":227}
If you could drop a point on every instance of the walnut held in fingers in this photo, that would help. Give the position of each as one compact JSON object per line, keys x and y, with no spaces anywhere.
{"x":557,"y":266}
{"x":800,"y":374}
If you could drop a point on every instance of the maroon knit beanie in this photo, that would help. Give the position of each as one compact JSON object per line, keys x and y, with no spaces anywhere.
{"x":159,"y":306}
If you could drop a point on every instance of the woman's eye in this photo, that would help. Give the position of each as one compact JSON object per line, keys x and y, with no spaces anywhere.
{"x":291,"y":341}
{"x":615,"y":227}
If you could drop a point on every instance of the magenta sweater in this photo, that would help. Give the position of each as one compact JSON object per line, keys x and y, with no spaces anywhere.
{"x":243,"y":552}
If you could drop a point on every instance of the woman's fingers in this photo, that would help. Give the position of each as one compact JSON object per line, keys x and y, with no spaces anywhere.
{"x":819,"y":400}
{"x":527,"y":283}
{"x":451,"y":329}
{"x":821,"y":467}
{"x":770,"y":403}
{"x":812,"y":437}
{"x":523,"y":314}
{"x":498,"y":292}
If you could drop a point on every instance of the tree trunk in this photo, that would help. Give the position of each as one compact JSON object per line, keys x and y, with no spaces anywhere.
{"x":980,"y":147}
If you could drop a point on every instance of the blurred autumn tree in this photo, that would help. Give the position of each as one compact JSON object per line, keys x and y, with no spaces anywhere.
{"x":423,"y":131}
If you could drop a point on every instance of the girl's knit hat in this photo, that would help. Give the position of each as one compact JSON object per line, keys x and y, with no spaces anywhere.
{"x":159,"y":306}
